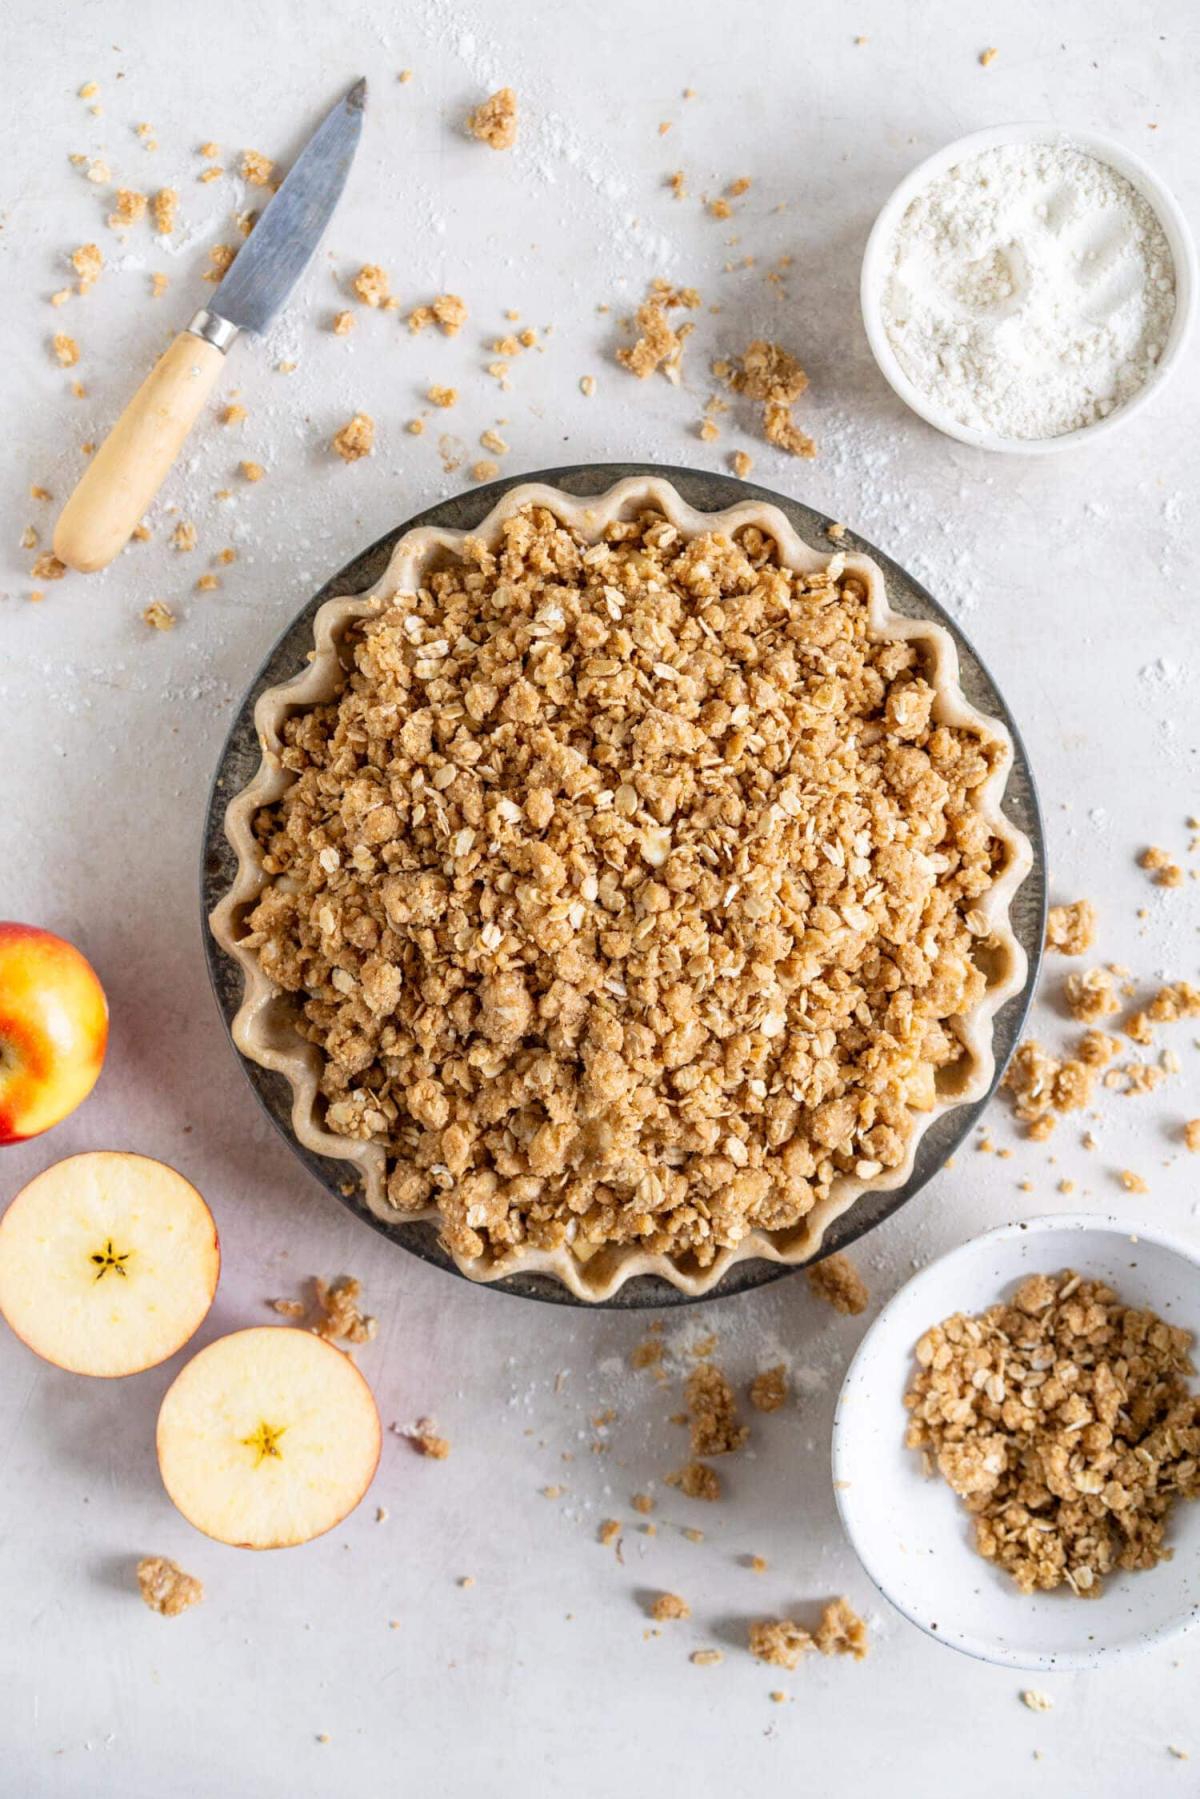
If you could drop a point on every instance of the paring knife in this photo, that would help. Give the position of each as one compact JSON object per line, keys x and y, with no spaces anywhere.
{"x":131,"y":464}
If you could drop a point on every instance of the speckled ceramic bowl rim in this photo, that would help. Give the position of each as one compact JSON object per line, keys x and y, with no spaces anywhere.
{"x":1052,"y":1224}
{"x":1105,"y":149}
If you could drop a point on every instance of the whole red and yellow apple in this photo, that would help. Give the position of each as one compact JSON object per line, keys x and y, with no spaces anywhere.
{"x":53,"y":1030}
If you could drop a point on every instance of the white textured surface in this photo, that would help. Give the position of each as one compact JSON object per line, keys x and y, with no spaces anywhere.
{"x":1078,"y":580}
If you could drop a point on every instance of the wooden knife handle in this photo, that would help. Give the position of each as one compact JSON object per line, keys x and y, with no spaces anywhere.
{"x":131,"y":464}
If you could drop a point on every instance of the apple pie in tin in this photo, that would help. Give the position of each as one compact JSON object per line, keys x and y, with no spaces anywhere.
{"x":623,"y":887}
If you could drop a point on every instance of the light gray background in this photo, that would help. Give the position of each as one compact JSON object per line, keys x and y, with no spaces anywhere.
{"x":1077,"y":578}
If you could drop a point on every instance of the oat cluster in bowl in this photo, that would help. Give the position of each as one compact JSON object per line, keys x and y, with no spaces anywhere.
{"x":1065,"y":1421}
{"x":633,"y":888}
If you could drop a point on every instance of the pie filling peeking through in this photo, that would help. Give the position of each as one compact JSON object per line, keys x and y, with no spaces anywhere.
{"x":633,"y":889}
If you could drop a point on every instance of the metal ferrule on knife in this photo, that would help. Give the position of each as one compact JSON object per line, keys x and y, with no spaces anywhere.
{"x":212,"y":328}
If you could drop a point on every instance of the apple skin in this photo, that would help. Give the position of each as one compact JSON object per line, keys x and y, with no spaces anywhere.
{"x":53,"y":1030}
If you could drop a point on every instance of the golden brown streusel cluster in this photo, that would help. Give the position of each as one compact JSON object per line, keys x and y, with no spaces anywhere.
{"x":1043,"y":1085}
{"x":1065,"y":1422}
{"x":165,"y":1587}
{"x":784,"y":1643}
{"x":770,"y":374}
{"x":1071,"y":929}
{"x":355,"y":439}
{"x":659,"y":344}
{"x":629,"y":889}
{"x":837,"y":1281}
{"x":494,"y":121}
{"x":716,"y":1428}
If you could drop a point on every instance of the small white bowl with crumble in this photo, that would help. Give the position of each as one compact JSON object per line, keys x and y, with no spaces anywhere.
{"x":1016,"y":1447}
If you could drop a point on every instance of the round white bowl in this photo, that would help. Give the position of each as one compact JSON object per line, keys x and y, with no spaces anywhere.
{"x":914,"y":1536}
{"x":1104,"y":149}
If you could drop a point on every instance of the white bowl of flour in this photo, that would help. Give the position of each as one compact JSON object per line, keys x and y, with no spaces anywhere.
{"x":1028,"y":288}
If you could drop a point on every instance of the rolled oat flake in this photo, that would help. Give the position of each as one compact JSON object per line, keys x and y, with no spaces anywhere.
{"x":1029,"y":290}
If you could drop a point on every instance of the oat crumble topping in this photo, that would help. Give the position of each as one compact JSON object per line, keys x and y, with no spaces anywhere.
{"x":128,"y":208}
{"x":184,"y":535}
{"x":343,"y":324}
{"x":706,"y":1658}
{"x":779,"y":1641}
{"x":66,"y":350}
{"x":371,"y":285}
{"x":159,"y":615}
{"x":669,"y":1605}
{"x":87,"y":261}
{"x":165,"y":1587}
{"x":164,"y":207}
{"x":356,"y":438}
{"x":837,"y":1281}
{"x":625,"y":889}
{"x":448,"y":312}
{"x":697,"y":1481}
{"x":494,"y":122}
{"x":1071,"y":930}
{"x":340,"y":1319}
{"x":783,"y":1643}
{"x":1065,"y":1422}
{"x":443,"y":396}
{"x":769,"y":1389}
{"x":427,"y":1443}
{"x":256,"y":168}
{"x":770,"y":374}
{"x":659,"y":345}
{"x":1191,"y":1134}
{"x":712,"y":1412}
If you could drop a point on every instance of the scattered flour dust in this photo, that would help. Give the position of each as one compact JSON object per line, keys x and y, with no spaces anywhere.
{"x":1029,"y":290}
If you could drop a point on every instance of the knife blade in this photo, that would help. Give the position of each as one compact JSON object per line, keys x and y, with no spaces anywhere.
{"x":131,"y":464}
{"x":279,"y":249}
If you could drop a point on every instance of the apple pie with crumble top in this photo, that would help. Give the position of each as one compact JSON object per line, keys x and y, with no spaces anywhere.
{"x":623,"y":886}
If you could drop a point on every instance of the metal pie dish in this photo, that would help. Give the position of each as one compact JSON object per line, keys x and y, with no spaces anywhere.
{"x":306,"y":668}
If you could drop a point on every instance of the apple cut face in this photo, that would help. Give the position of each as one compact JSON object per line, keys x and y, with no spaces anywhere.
{"x":108,"y":1263}
{"x":267,"y":1438}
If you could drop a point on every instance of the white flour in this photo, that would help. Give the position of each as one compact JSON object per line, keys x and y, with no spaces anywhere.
{"x":1030,"y":290}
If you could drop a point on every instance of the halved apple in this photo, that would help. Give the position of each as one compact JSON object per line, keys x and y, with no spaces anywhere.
{"x":108,"y":1263}
{"x":268,"y":1437}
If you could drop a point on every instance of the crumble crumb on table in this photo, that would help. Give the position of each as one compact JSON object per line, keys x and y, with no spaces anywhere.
{"x":837,"y":1281}
{"x":494,"y":121}
{"x":669,"y":1606}
{"x":698,"y":1481}
{"x":715,"y":1426}
{"x":339,"y":1316}
{"x":166,"y":1588}
{"x":356,"y":438}
{"x":659,"y":344}
{"x":371,"y":285}
{"x":769,"y":1389}
{"x":1071,"y":929}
